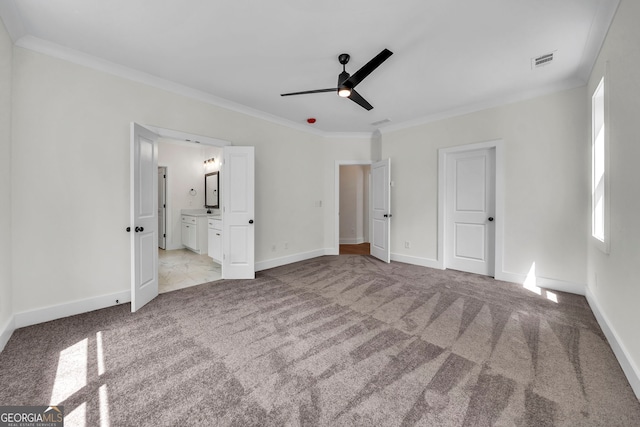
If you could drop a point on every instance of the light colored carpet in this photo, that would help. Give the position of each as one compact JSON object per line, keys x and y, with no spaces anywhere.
{"x":332,"y":341}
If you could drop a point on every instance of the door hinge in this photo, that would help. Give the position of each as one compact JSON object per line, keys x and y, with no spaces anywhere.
{"x":164,"y":176}
{"x":164,"y":235}
{"x":164,"y":206}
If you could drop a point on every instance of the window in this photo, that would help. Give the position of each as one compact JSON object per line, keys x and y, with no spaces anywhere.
{"x":600,"y":216}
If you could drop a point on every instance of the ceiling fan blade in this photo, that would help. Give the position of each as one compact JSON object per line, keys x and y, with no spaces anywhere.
{"x":333,"y":89}
{"x":367,"y":68}
{"x":358,"y":99}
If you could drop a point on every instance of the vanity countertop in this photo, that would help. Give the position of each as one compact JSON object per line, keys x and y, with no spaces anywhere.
{"x":215,"y":216}
{"x":194,"y":212}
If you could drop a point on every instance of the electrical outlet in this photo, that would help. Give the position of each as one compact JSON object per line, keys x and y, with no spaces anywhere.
{"x":286,"y":245}
{"x":273,"y":248}
{"x":407,"y":244}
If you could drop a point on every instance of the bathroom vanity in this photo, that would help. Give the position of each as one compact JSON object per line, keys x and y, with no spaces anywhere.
{"x":215,"y":238}
{"x":194,"y":230}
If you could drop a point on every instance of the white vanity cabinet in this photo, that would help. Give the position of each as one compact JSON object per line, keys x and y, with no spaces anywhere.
{"x":194,"y":232}
{"x":215,"y":239}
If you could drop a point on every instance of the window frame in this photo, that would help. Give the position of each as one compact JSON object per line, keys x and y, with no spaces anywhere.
{"x":600,"y":190}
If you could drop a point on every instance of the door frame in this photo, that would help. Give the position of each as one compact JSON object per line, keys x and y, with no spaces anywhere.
{"x":179,"y":135}
{"x":166,"y":169}
{"x":443,"y":154}
{"x":336,"y":203}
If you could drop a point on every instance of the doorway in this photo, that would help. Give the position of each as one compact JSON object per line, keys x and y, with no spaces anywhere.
{"x":180,"y":191}
{"x":237,"y":188}
{"x":354,"y":209}
{"x":470,"y":200}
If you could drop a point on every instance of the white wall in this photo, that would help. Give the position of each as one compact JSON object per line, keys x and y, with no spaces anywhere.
{"x":185,"y":170}
{"x":6,"y":297}
{"x":72,"y":123}
{"x":546,"y":198}
{"x":613,"y":279}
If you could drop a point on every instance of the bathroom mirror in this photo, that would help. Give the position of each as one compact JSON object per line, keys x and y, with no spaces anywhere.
{"x":211,"y":193}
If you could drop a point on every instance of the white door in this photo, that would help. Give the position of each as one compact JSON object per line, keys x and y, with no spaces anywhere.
{"x":470,"y":210}
{"x":144,"y":216}
{"x":380,"y":206}
{"x":162,"y":206}
{"x":237,"y":186}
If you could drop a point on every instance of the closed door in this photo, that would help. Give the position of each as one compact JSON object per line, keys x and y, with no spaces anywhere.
{"x":470,"y":210}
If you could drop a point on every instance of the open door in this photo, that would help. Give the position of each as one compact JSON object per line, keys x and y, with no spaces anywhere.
{"x":144,"y":216}
{"x":380,"y":206}
{"x":237,"y":186}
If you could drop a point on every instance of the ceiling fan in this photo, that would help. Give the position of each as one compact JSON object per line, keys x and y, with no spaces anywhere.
{"x":347,"y":83}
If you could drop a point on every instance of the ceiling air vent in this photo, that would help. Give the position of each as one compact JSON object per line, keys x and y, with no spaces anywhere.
{"x":542,"y":60}
{"x":380,"y":122}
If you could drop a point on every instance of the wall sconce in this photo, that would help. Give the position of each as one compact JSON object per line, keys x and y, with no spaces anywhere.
{"x":209,"y":163}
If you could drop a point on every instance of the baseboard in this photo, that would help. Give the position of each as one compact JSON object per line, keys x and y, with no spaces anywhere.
{"x":544,"y":282}
{"x":6,"y":331}
{"x":45,"y":314}
{"x":629,"y":368}
{"x":351,"y":240}
{"x":289,"y":259}
{"x":424,"y":262}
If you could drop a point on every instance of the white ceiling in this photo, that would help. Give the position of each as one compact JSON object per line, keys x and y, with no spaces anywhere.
{"x":450,"y":56}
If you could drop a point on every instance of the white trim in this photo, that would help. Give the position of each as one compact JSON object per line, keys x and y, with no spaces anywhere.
{"x":424,"y":262}
{"x":12,"y":18}
{"x":485,"y":105}
{"x":629,"y":368}
{"x":290,"y":259}
{"x":498,"y":145}
{"x":53,"y":312}
{"x":61,"y":52}
{"x":185,"y":136}
{"x":336,"y":203}
{"x":6,"y":331}
{"x":516,"y":278}
{"x":603,"y":245}
{"x":596,"y":37}
{"x":544,"y":282}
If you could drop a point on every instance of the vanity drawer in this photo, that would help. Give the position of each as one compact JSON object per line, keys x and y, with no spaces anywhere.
{"x":189,"y":219}
{"x":215,"y":223}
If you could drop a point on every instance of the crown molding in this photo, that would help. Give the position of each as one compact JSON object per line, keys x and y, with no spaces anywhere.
{"x":71,"y":55}
{"x":485,"y":105}
{"x":10,"y":16}
{"x":597,"y":34}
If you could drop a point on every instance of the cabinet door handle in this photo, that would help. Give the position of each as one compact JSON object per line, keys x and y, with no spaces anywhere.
{"x":217,"y":234}
{"x":250,"y":221}
{"x":138,"y":229}
{"x":128,"y":229}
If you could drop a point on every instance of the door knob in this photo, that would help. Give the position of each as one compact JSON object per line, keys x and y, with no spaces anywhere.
{"x":250,"y":221}
{"x":490,"y":218}
{"x":128,"y":229}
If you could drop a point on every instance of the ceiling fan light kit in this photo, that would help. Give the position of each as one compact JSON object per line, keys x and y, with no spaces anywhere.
{"x":347,"y":83}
